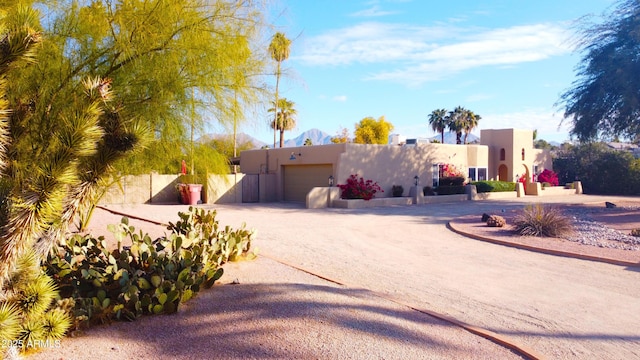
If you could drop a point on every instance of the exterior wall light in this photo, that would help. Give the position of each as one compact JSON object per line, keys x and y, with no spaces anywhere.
{"x":415,"y":180}
{"x":330,"y":180}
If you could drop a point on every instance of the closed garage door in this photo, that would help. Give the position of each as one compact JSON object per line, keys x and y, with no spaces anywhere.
{"x":300,"y":179}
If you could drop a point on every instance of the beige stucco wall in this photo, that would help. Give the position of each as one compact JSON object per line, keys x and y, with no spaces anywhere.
{"x":161,"y":189}
{"x":258,"y":161}
{"x":387,"y":165}
{"x":390,"y":165}
{"x":514,"y":141}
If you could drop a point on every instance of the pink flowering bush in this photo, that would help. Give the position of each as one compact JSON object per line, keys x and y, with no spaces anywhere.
{"x":450,"y":170}
{"x":523,"y":179}
{"x":548,"y":176}
{"x":358,"y":188}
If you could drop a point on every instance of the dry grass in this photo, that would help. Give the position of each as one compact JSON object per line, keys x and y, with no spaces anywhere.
{"x":540,"y":220}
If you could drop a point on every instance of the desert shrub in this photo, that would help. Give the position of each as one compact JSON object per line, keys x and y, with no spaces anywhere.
{"x":397,"y":190}
{"x":548,"y":176}
{"x":540,"y":220}
{"x":546,"y":185}
{"x":428,"y":191}
{"x":148,"y":277}
{"x":493,"y":186}
{"x":358,"y":188}
{"x":450,"y":190}
{"x":635,"y":232}
{"x":496,"y":221}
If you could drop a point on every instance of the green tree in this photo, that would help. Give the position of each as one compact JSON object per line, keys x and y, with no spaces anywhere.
{"x":285,"y":119}
{"x":604,"y":100}
{"x":279,"y":49}
{"x":438,"y":121}
{"x":174,"y":64}
{"x":53,"y":162}
{"x":372,"y":131}
{"x":600,"y":169}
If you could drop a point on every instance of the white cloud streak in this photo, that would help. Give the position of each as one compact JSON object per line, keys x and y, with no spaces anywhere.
{"x":417,"y":54}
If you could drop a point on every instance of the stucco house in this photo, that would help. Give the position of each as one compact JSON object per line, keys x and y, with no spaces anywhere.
{"x":288,"y":174}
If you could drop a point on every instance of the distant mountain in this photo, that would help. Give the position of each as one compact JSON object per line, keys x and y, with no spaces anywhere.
{"x":241,"y":138}
{"x":450,"y":138}
{"x":318,"y":137}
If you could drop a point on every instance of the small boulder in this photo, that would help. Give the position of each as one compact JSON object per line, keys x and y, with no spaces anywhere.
{"x":485,"y":217}
{"x":610,"y":205}
{"x":496,"y":221}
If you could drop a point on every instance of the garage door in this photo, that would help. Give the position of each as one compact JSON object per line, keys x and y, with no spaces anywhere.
{"x":300,"y":179}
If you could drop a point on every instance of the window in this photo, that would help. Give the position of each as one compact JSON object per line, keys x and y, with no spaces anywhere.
{"x":435,"y":174}
{"x":482,"y":174}
{"x":472,"y":174}
{"x":477,"y":174}
{"x":502,"y":154}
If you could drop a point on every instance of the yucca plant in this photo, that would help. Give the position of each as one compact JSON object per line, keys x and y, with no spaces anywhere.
{"x":540,"y":220}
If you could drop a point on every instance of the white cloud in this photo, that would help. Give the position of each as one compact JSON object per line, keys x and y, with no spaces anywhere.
{"x":340,"y":98}
{"x":374,"y":11}
{"x":418,"y":54}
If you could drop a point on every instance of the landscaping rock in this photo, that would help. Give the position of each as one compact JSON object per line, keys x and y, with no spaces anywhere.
{"x":496,"y":221}
{"x":485,"y":217}
{"x":610,"y":205}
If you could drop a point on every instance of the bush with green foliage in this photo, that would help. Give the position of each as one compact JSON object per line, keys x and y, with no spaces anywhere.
{"x":599,"y":169}
{"x":541,"y":220}
{"x":485,"y":186}
{"x":150,"y":276}
{"x":358,"y":188}
{"x":635,"y":232}
{"x":29,"y":316}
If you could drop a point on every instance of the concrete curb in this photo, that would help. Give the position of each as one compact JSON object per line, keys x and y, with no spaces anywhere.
{"x":452,"y":226}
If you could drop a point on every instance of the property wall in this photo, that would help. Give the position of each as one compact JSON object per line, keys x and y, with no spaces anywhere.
{"x":161,"y":189}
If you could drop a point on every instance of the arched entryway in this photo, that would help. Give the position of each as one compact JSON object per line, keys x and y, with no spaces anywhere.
{"x":503,"y":173}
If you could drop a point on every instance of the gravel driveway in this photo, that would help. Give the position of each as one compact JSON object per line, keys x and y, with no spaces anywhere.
{"x":390,"y":260}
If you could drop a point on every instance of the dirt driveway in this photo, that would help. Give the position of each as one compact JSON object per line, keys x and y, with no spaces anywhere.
{"x":559,"y":307}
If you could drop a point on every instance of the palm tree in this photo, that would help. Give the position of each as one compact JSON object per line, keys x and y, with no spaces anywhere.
{"x":471,"y":122}
{"x":308,"y":142}
{"x":438,"y":122}
{"x":279,"y":51}
{"x":285,"y":117}
{"x":456,"y":122}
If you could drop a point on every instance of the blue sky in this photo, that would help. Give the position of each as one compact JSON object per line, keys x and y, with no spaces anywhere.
{"x":506,"y":60}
